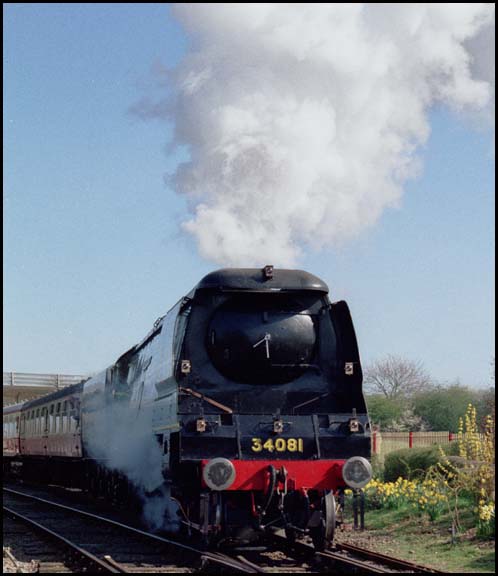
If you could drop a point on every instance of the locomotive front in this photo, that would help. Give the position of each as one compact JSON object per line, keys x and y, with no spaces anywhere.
{"x":272,"y":419}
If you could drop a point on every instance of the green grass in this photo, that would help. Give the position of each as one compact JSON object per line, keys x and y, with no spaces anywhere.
{"x":404,"y":534}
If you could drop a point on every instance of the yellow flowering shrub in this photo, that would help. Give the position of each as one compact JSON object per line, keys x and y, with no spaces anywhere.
{"x":474,"y":474}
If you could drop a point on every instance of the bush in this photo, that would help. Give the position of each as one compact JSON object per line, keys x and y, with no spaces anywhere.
{"x":410,"y":463}
{"x":377,"y":466}
{"x":441,"y":406}
{"x":383,"y":411}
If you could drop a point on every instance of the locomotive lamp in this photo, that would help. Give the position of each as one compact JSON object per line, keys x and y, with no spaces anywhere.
{"x":200,"y":425}
{"x":278,"y":426}
{"x":357,"y":472}
{"x":354,"y":425}
{"x":219,"y":474}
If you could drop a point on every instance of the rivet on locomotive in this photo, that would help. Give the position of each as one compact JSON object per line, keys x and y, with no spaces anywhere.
{"x":253,"y":387}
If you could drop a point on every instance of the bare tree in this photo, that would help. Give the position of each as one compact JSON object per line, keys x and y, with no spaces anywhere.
{"x":396,"y":377}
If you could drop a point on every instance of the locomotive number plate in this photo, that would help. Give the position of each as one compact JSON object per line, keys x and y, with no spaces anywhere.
{"x":278,"y":445}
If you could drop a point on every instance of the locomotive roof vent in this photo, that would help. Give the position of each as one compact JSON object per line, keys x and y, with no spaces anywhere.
{"x":268,"y":272}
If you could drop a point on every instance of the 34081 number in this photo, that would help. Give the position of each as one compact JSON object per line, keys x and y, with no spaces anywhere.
{"x":278,"y":445}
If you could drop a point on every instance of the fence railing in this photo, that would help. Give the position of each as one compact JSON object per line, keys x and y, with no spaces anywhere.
{"x":47,"y":380}
{"x":385,"y":442}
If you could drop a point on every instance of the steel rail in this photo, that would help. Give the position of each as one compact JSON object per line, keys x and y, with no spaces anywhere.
{"x":388,"y":560}
{"x":358,"y":564}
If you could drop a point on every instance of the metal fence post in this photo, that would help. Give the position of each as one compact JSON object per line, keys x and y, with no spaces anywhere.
{"x":362,"y":510}
{"x":355,"y":509}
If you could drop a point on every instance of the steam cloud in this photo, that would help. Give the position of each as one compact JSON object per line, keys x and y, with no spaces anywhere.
{"x":303,"y":121}
{"x":121,"y":440}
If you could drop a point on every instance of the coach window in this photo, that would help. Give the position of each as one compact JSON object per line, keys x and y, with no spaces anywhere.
{"x":45,"y":420}
{"x":51,"y":419}
{"x":58,"y":418}
{"x":37,"y":421}
{"x":64,"y":417}
{"x":73,"y":418}
{"x":72,"y":422}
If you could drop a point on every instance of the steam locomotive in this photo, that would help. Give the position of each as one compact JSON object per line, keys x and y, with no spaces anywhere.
{"x":250,"y":391}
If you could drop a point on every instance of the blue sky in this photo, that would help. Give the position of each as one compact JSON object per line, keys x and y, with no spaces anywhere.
{"x":92,"y":248}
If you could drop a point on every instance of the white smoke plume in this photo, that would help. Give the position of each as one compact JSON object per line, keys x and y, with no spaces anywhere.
{"x":121,"y":440}
{"x":303,"y":120}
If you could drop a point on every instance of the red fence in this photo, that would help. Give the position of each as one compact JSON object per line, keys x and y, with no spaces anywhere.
{"x":385,"y":442}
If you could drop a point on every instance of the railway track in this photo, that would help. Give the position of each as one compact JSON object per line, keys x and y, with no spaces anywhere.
{"x":102,"y":544}
{"x":105,"y":545}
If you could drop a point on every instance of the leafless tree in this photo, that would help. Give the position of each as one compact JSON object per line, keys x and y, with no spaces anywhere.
{"x":396,"y":377}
